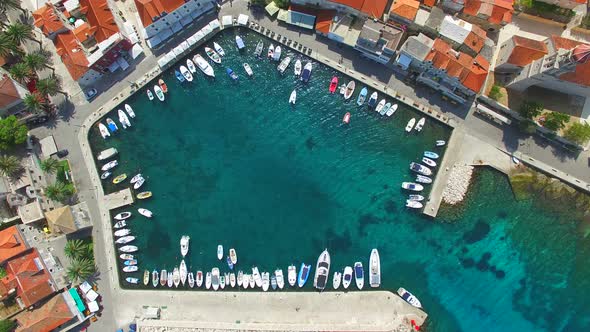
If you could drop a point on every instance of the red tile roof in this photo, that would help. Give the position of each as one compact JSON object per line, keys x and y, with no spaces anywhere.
{"x":429,"y":3}
{"x":71,"y":54}
{"x":84,"y":31}
{"x":11,"y":242}
{"x":581,"y":75}
{"x":149,"y":9}
{"x":564,"y":43}
{"x":496,"y":11}
{"x":374,"y":8}
{"x":405,"y":8}
{"x":46,"y":20}
{"x":99,"y":16}
{"x":475,"y":39}
{"x":27,"y":274}
{"x":48,"y":317}
{"x":526,"y":51}
{"x":323,"y":20}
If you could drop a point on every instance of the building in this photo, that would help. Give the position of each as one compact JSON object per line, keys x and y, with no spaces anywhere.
{"x":569,"y":4}
{"x":412,"y":54}
{"x":11,"y":244}
{"x":404,"y":11}
{"x":55,"y":313}
{"x":362,"y":8}
{"x":12,"y":94}
{"x":491,"y":15}
{"x":378,"y":41}
{"x":452,"y":6}
{"x":68,"y":219}
{"x":518,"y":52}
{"x":161,"y":19}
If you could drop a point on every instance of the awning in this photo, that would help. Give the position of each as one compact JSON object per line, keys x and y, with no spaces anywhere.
{"x":93,"y":306}
{"x":91,"y":295}
{"x":48,"y":146}
{"x":79,"y":303}
{"x":271,"y":8}
{"x":185,"y":45}
{"x":191,"y":40}
{"x":178,"y":50}
{"x":199,"y":35}
{"x":227,"y":20}
{"x":163,"y":61}
{"x":214,"y":24}
{"x":123,"y":63}
{"x":171,"y":55}
{"x":136,"y":51}
{"x":404,"y":61}
{"x":206,"y":30}
{"x":243,"y":19}
{"x":85,"y":287}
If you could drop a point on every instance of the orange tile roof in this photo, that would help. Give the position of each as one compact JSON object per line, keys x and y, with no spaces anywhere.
{"x":526,"y":51}
{"x":148,"y":9}
{"x":429,"y":3}
{"x":99,"y":16}
{"x":496,"y":11}
{"x":11,"y":242}
{"x":46,"y":20}
{"x":564,"y":43}
{"x":32,"y":282}
{"x":84,"y":31}
{"x":374,"y":8}
{"x":71,"y":54}
{"x":405,"y":8}
{"x":475,"y":39}
{"x":48,"y":317}
{"x":323,"y":21}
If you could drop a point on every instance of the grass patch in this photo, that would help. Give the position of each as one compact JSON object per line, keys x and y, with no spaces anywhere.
{"x":63,"y":173}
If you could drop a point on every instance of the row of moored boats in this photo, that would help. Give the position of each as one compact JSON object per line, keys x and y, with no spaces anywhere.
{"x":424,"y":172}
{"x":111,"y":126}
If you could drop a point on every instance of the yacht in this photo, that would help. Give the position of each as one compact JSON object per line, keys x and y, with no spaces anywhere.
{"x":374,"y":269}
{"x":322,"y":271}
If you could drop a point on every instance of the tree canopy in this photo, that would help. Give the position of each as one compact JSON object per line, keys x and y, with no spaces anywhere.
{"x":11,"y":132}
{"x":578,"y":133}
{"x":530,"y":109}
{"x":555,"y":120}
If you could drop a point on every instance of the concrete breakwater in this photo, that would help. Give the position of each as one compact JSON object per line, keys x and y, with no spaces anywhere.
{"x":457,"y":184}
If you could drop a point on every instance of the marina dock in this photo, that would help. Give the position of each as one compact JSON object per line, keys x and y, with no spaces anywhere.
{"x":118,"y":199}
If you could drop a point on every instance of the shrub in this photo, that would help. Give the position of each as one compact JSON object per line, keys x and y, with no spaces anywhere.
{"x":555,"y":120}
{"x":495,"y":92}
{"x":530,"y":109}
{"x":578,"y":133}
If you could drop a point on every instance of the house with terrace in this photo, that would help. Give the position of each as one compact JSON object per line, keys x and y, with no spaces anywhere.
{"x":378,"y":41}
{"x":491,"y":15}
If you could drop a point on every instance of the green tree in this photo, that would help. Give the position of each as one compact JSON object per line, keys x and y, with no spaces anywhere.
{"x":33,"y":102}
{"x":2,"y":272}
{"x":495,"y":93}
{"x":9,"y":165}
{"x":530,"y":109}
{"x":75,"y":249}
{"x":11,"y":132}
{"x":555,"y":120}
{"x":80,"y":269}
{"x":19,"y":32}
{"x":578,"y":133}
{"x":49,"y":86}
{"x":36,"y":61}
{"x":7,"y":46}
{"x":59,"y":191}
{"x":282,"y":3}
{"x":7,"y":325}
{"x":5,"y":5}
{"x":89,"y":251}
{"x":50,"y":165}
{"x":20,"y":72}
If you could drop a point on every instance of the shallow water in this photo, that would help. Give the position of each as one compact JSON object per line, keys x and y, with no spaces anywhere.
{"x":234,"y":164}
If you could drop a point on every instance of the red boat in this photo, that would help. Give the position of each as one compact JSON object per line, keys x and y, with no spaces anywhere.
{"x":163,"y":85}
{"x":333,"y":84}
{"x":346,"y":118}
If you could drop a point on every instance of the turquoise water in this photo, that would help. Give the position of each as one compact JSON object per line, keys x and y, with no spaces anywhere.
{"x":234,"y":164}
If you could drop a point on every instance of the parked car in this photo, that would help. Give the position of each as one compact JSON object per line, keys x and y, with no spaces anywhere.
{"x":90,"y":94}
{"x":62,"y":153}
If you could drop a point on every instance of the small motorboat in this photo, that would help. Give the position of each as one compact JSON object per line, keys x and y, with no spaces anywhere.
{"x":322,"y":271}
{"x":391,"y":110}
{"x":292,"y":275}
{"x":208,"y":280}
{"x":215,"y":278}
{"x":120,"y":178}
{"x":179,"y":76}
{"x":385,"y":109}
{"x":105,"y":175}
{"x":123,"y":119}
{"x":130,"y":262}
{"x":129,"y":111}
{"x":240,"y":278}
{"x":186,"y":73}
{"x":123,"y":215}
{"x":259,"y":48}
{"x":515,"y":160}
{"x":136,"y":178}
{"x":191,"y":280}
{"x":416,"y":198}
{"x":410,"y":125}
{"x":203,"y":65}
{"x":423,"y":179}
{"x":373,"y":99}
{"x":342,"y":89}
{"x":429,"y":162}
{"x":212,"y":55}
{"x":256,"y":277}
{"x":418,"y":168}
{"x":333,"y":84}
{"x":128,"y":248}
{"x":184,"y":245}
{"x":380,"y":106}
{"x":162,"y":85}
{"x":412,"y":186}
{"x":252,"y":281}
{"x":176,"y":277}
{"x":430,"y":154}
{"x":440,"y":143}
{"x":191,"y":66}
{"x":246,"y":281}
{"x":336,"y":280}
{"x":293,"y":97}
{"x":107,"y":154}
{"x":126,"y":257}
{"x":360,"y":100}
{"x":233,"y":256}
{"x":199,"y":278}
{"x":240,"y":43}
{"x":155,"y":278}
{"x":139,"y":183}
{"x":265,"y":281}
{"x":229,"y":263}
{"x":347,"y":277}
{"x":409,"y":297}
{"x":120,"y":224}
{"x":129,"y":269}
{"x":145,"y":212}
{"x":248,"y":69}
{"x":359,"y":277}
{"x":183,"y":272}
{"x":125,"y":239}
{"x":170,"y":279}
{"x":413,"y":204}
{"x":163,"y":278}
{"x":304,"y":271}
{"x":159,"y":93}
{"x":280,"y":278}
{"x":273,"y":282}
{"x":220,"y":252}
{"x":112,"y":125}
{"x":271,"y":51}
{"x":374,"y":269}
{"x":132,"y":280}
{"x":349,"y":90}
{"x":298,"y":67}
{"x":144,"y":195}
{"x":104,"y":132}
{"x":284,"y":65}
{"x":277,"y":54}
{"x":122,"y":232}
{"x":232,"y":280}
{"x":110,"y":165}
{"x":420,"y":124}
{"x":231,"y":74}
{"x":150,"y":94}
{"x":222,"y":279}
{"x":306,"y":75}
{"x":346,"y":118}
{"x":218,"y":49}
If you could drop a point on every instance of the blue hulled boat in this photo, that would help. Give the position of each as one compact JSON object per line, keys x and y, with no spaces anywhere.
{"x":179,"y":76}
{"x":303,"y":274}
{"x":362,"y":96}
{"x":231,"y":74}
{"x":229,"y":263}
{"x":112,"y":125}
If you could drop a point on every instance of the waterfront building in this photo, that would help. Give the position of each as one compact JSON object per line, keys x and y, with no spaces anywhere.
{"x":378,"y":41}
{"x":12,"y":94}
{"x":491,"y":15}
{"x":361,"y":8}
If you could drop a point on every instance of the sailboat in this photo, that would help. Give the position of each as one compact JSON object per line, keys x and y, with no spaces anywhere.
{"x":184,"y":245}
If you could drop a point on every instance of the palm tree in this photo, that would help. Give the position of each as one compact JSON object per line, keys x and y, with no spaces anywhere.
{"x":36,"y":61}
{"x":9,"y":165}
{"x":74,"y":249}
{"x":19,"y":32}
{"x":59,"y":191}
{"x":89,"y":251}
{"x":33,"y":102}
{"x":50,"y":86}
{"x":80,"y":269}
{"x":5,"y":5}
{"x":49,"y":165}
{"x":20,"y":72}
{"x":7,"y":46}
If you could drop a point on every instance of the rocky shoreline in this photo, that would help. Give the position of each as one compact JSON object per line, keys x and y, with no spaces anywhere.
{"x":458,"y":184}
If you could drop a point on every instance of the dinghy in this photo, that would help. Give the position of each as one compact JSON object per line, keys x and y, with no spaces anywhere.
{"x":105,"y":175}
{"x":170,"y":279}
{"x":280,"y":278}
{"x":139,"y":183}
{"x":232,"y":280}
{"x":265,"y":281}
{"x":218,"y":49}
{"x":429,"y":162}
{"x":240,"y":278}
{"x":145,"y":212}
{"x":256,"y":276}
{"x":373,"y":99}
{"x":303,"y":275}
{"x":203,"y":65}
{"x":391,"y":110}
{"x":199,"y":278}
{"x":144,"y":195}
{"x":284,"y":65}
{"x":440,"y":143}
{"x":420,"y":124}
{"x":322,"y":271}
{"x":109,"y":165}
{"x":248,"y":69}
{"x":359,"y":277}
{"x":208,"y":280}
{"x":104,"y":132}
{"x":122,"y":232}
{"x":385,"y":109}
{"x":220,"y":252}
{"x":347,"y":277}
{"x":159,"y":93}
{"x":240,"y":43}
{"x":233,"y":256}
{"x":416,"y":197}
{"x":150,"y":94}
{"x":412,"y":186}
{"x":336,"y":280}
{"x":125,"y":239}
{"x":409,"y":297}
{"x":346,"y":118}
{"x":431,"y":155}
{"x":380,"y":106}
{"x":246,"y":281}
{"x":184,"y":245}
{"x":132,"y":280}
{"x":136,"y":178}
{"x":112,"y":125}
{"x":271,"y":51}
{"x":176,"y":277}
{"x":231,"y":74}
{"x":183,"y":272}
{"x":179,"y":76}
{"x":163,"y":85}
{"x":333,"y":85}
{"x":126,"y":257}
{"x":186,"y":73}
{"x":306,"y":75}
{"x":349,"y":90}
{"x":298,"y":67}
{"x":292,"y":275}
{"x":418,"y":168}
{"x":163,"y":278}
{"x":129,"y":269}
{"x":212,"y":55}
{"x":293,"y":97}
{"x":120,"y":224}
{"x":277,"y":54}
{"x":252,"y":281}
{"x":362,"y":96}
{"x":259,"y":48}
{"x":413,"y":204}
{"x":129,"y":111}
{"x":128,"y":248}
{"x":374,"y":269}
{"x":410,"y":125}
{"x":423,"y":179}
{"x":123,"y":215}
{"x":123,"y":119}
{"x":191,"y":66}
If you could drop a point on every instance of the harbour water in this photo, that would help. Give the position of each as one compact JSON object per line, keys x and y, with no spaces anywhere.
{"x":235,"y":164}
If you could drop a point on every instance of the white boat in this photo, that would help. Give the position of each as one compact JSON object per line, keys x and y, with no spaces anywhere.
{"x":150,"y":94}
{"x":271,"y":51}
{"x":256,"y":276}
{"x":222,"y":280}
{"x":199,"y":280}
{"x":298,"y":67}
{"x":128,"y":249}
{"x":120,"y":224}
{"x":292,"y":275}
{"x":280,"y":278}
{"x":122,"y":232}
{"x":359,"y":275}
{"x":416,"y":198}
{"x":218,"y":49}
{"x":429,"y":162}
{"x":413,"y":204}
{"x":105,"y":175}
{"x":362,"y":96}
{"x":423,"y":179}
{"x":412,"y":186}
{"x":418,"y":168}
{"x":183,"y":272}
{"x":136,"y":178}
{"x":409,"y":297}
{"x":159,"y":92}
{"x":373,"y":99}
{"x":410,"y":125}
{"x":248,"y":69}
{"x":259,"y":48}
{"x":336,"y":280}
{"x":420,"y":124}
{"x":240,"y":43}
{"x":184,"y":245}
{"x":129,"y":111}
{"x":322,"y":271}
{"x":170,"y":279}
{"x":208,"y":280}
{"x":391,"y":110}
{"x":342,"y":89}
{"x":186,"y":73}
{"x":293,"y":97}
{"x":277,"y":55}
{"x":145,"y":212}
{"x":440,"y":143}
{"x":349,"y":90}
{"x":306,"y":75}
{"x":385,"y":109}
{"x":107,"y":154}
{"x":132,"y":280}
{"x":104,"y":132}
{"x":240,"y":278}
{"x":125,"y":239}
{"x":233,"y":256}
{"x":265,"y":281}
{"x":123,"y":215}
{"x":380,"y":106}
{"x":191,"y":66}
{"x":232,"y":280}
{"x":246,"y":281}
{"x":203,"y":65}
{"x":374,"y":269}
{"x":284,"y":65}
{"x":176,"y":277}
{"x":212,"y":55}
{"x":155,"y":278}
{"x":515,"y":160}
{"x":220,"y":252}
{"x":215,"y":278}
{"x":252,"y":282}
{"x":132,"y":268}
{"x":347,"y":277}
{"x":191,"y":280}
{"x":139,"y":183}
